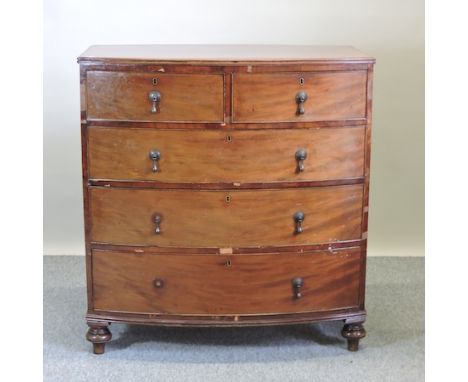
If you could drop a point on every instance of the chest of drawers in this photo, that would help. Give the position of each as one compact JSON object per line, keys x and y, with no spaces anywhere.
{"x":225,"y":185}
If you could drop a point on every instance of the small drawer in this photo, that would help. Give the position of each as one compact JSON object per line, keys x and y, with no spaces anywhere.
{"x":155,"y":97}
{"x":218,"y":284}
{"x":186,"y":218}
{"x":210,"y":156}
{"x":299,"y":97}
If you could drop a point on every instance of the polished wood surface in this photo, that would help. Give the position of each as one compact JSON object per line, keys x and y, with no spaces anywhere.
{"x":100,"y":317}
{"x":228,"y":251}
{"x":217,"y":284}
{"x":206,"y":156}
{"x":272,"y":97}
{"x":230,"y":54}
{"x":274,"y":126}
{"x":222,"y":185}
{"x":184,"y":98}
{"x":206,"y":219}
{"x":332,"y":246}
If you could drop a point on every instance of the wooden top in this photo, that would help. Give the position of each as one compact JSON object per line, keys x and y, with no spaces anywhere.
{"x":222,"y":53}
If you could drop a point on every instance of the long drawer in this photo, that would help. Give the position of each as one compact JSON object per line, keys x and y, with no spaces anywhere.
{"x":276,"y":97}
{"x":186,"y":156}
{"x":188,"y":218}
{"x":155,"y":97}
{"x":217,"y":284}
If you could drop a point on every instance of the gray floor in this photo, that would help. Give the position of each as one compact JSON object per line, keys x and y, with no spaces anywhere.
{"x":392,"y":351}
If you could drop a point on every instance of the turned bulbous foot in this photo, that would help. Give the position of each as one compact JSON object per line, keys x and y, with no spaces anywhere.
{"x":98,"y":335}
{"x":353,"y":333}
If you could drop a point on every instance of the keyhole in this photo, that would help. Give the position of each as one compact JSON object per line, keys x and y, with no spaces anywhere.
{"x":228,"y":263}
{"x":301,"y":80}
{"x":228,"y":198}
{"x":155,"y":81}
{"x":228,"y":138}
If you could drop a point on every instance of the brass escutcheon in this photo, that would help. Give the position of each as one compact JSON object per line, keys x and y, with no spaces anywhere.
{"x":228,"y":263}
{"x":228,"y":138}
{"x":302,"y":80}
{"x":155,"y":81}
{"x":228,"y":198}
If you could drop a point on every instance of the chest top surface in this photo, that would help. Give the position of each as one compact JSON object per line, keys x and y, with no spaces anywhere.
{"x":223,"y":53}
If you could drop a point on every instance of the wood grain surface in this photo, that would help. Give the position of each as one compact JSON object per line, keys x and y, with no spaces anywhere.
{"x":205,"y":218}
{"x":227,"y":185}
{"x":194,"y":156}
{"x":218,"y":284}
{"x":272,"y":97}
{"x":231,"y":53}
{"x":184,"y":97}
{"x":225,"y":320}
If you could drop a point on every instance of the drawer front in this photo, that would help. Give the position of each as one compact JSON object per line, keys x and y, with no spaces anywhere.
{"x":186,"y":218}
{"x":193,"y":156}
{"x":217,"y":284}
{"x":274,"y":97}
{"x":183,"y":97}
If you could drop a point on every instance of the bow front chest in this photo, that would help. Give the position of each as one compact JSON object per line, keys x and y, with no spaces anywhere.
{"x":225,"y":185}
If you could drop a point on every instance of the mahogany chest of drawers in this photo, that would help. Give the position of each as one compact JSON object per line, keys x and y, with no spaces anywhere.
{"x":225,"y":185}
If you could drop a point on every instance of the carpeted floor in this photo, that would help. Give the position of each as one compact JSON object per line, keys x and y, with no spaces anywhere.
{"x":392,"y":351}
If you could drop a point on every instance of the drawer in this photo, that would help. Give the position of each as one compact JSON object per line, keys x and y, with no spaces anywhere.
{"x":274,"y":97}
{"x":196,"y":156}
{"x":218,"y":284}
{"x":182,"y":97}
{"x":189,"y":218}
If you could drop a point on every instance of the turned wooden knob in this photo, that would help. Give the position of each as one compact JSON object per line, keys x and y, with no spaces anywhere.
{"x":301,"y":156}
{"x":297,"y":284}
{"x":155,"y":156}
{"x":301,"y":98}
{"x":157,"y":221}
{"x":155,"y":97}
{"x":299,"y":217}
